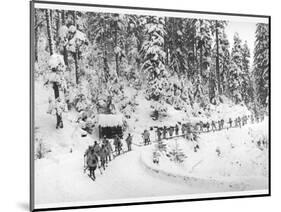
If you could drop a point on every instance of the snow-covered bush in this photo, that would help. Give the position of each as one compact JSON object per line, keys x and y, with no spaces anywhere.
{"x":128,"y":106}
{"x":176,"y":154}
{"x":56,"y":62}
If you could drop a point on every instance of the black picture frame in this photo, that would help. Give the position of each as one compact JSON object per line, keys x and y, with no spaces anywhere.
{"x":31,"y":183}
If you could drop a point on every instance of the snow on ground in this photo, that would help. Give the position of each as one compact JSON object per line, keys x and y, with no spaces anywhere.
{"x":242,"y":163}
{"x":59,"y":175}
{"x":63,"y":181}
{"x":61,"y":140}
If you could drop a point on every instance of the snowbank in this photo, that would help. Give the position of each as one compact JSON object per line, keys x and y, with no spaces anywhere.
{"x":241,"y":163}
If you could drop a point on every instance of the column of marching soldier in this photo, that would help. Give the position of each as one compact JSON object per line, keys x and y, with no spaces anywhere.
{"x":167,"y":132}
{"x":99,"y":155}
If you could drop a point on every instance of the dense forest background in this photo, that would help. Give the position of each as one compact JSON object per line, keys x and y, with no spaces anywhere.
{"x":92,"y":59}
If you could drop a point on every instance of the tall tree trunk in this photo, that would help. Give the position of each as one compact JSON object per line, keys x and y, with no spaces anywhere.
{"x":51,"y":48}
{"x":74,"y":19}
{"x":65,"y":53}
{"x":49,"y":32}
{"x":76,"y":54}
{"x":76,"y":58}
{"x":51,"y":17}
{"x":193,"y":54}
{"x":105,"y":63}
{"x":201,"y":61}
{"x":217,"y":59}
{"x":65,"y":56}
{"x":63,"y":17}
{"x":166,"y":43}
{"x":116,"y":53}
{"x":58,"y":25}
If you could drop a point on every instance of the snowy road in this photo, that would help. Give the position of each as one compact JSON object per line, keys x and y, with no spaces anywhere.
{"x":126,"y":177}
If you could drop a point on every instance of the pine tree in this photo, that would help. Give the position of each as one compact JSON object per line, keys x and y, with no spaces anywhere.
{"x":224,"y":62}
{"x":118,"y":25}
{"x":174,"y":44}
{"x":189,"y":36}
{"x":220,"y":49}
{"x":176,"y":154}
{"x":236,"y":70}
{"x":136,"y":27}
{"x":247,"y":87}
{"x":261,"y":64}
{"x":99,"y":31}
{"x":154,"y":64}
{"x":204,"y":42}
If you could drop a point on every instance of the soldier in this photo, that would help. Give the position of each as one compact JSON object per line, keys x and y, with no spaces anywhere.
{"x":102,"y":154}
{"x":236,"y":122}
{"x":230,"y":123}
{"x":88,"y":150}
{"x":118,"y":145}
{"x":242,"y":121}
{"x":164,"y":132}
{"x":239,"y":121}
{"x":207,"y":126}
{"x":257,"y":118}
{"x":96,"y":147}
{"x":201,"y":126}
{"x":171,"y":131}
{"x":245,"y":120}
{"x":252,"y":119}
{"x":59,"y":108}
{"x":104,"y":140}
{"x":219,"y":124}
{"x":182,"y":129}
{"x":129,"y":142}
{"x":196,"y":147}
{"x":156,"y":156}
{"x":146,"y":137}
{"x":188,"y":129}
{"x":222,"y":123}
{"x":177,"y":130}
{"x":92,"y":162}
{"x":214,"y":128}
{"x":108,"y":149}
{"x":158,"y":131}
{"x":262,"y":117}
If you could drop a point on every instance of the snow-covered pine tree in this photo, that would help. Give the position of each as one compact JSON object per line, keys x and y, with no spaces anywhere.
{"x":154,"y":64}
{"x":174,"y":43}
{"x":247,"y":86}
{"x":99,"y":32}
{"x":236,"y":70}
{"x":224,"y":62}
{"x":135,"y":33}
{"x":261,"y":64}
{"x":76,"y":45}
{"x":219,"y":51}
{"x":203,"y":52}
{"x":176,"y":154}
{"x":118,"y":24}
{"x":204,"y":42}
{"x":189,"y":36}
